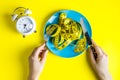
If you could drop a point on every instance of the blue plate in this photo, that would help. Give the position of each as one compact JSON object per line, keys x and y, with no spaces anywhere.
{"x":69,"y":50}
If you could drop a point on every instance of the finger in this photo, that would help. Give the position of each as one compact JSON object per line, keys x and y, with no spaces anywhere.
{"x":102,"y":51}
{"x":91,"y":56}
{"x":97,"y":49}
{"x":43,"y":45}
{"x":43,"y":56}
{"x":95,"y":46}
{"x":38,"y":50}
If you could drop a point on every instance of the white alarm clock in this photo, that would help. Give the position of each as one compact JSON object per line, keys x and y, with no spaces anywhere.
{"x":25,"y":24}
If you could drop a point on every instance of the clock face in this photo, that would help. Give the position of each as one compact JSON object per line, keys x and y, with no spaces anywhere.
{"x":25,"y":25}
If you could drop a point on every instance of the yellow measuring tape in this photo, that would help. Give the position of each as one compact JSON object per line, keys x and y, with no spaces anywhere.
{"x":65,"y":32}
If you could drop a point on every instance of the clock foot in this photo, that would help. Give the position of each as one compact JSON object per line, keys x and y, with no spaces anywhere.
{"x":35,"y":31}
{"x":23,"y":36}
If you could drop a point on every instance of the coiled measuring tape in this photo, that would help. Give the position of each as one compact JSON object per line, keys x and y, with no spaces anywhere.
{"x":65,"y":32}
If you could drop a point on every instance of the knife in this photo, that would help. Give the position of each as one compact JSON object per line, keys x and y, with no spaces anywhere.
{"x":46,"y":38}
{"x":89,"y":41}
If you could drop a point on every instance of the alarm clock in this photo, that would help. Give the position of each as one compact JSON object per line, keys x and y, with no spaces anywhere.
{"x":25,"y":24}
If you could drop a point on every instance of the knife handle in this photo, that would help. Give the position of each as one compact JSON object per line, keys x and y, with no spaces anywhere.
{"x":94,"y":52}
{"x":88,"y":38}
{"x":89,"y":41}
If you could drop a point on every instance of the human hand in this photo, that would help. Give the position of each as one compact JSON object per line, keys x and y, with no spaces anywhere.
{"x":37,"y":61}
{"x":99,"y":62}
